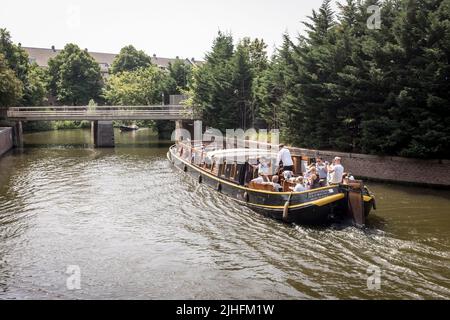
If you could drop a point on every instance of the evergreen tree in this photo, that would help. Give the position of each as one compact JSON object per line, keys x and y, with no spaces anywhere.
{"x":181,"y":73}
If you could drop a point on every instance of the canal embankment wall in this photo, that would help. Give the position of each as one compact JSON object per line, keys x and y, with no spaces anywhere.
{"x":6,"y":139}
{"x":433,"y":173}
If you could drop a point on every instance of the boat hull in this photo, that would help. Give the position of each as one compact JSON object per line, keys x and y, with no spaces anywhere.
{"x":311,"y":208}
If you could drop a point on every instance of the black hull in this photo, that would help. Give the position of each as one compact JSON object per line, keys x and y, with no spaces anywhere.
{"x":311,"y":208}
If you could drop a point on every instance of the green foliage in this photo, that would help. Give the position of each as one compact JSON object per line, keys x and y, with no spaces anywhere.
{"x":130,"y":59}
{"x":143,"y":86}
{"x":66,"y":124}
{"x":346,"y":87}
{"x":11,"y":88}
{"x":32,"y":79}
{"x":181,"y":73}
{"x":35,"y":93}
{"x":222,"y":90}
{"x":74,"y":76}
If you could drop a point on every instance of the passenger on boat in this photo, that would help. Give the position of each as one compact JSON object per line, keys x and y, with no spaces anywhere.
{"x":260,"y":179}
{"x":313,"y":179}
{"x":347,"y":177}
{"x":322,"y":171}
{"x":287,"y":174}
{"x":336,"y":171}
{"x":299,"y":185}
{"x":276,"y":186}
{"x":284,"y":158}
{"x":263,"y":168}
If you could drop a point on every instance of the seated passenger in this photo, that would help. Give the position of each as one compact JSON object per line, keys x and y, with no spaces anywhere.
{"x":299,"y":187}
{"x":287,"y":174}
{"x":276,"y":186}
{"x":313,"y":179}
{"x":259,"y":179}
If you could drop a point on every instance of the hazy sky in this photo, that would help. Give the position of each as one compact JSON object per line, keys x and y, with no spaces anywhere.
{"x":168,"y":28}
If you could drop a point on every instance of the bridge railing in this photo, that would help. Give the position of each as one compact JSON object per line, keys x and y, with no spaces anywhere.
{"x":109,"y":112}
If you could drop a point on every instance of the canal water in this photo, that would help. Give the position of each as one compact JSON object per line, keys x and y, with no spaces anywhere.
{"x":128,"y":225}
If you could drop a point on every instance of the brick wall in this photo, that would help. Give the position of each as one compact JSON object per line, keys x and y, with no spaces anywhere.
{"x":395,"y":169}
{"x":6,"y":139}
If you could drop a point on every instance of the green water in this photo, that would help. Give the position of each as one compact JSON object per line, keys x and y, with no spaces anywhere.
{"x":138,"y":228}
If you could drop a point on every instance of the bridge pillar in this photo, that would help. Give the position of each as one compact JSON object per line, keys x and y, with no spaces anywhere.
{"x":103,"y":134}
{"x":18,"y":134}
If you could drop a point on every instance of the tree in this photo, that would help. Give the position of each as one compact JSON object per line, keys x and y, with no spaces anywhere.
{"x":130,"y":59}
{"x":143,"y":86}
{"x":33,"y":78}
{"x":11,"y":88}
{"x":74,"y":76}
{"x":181,"y":73}
{"x":211,"y":90}
{"x":222,"y":89}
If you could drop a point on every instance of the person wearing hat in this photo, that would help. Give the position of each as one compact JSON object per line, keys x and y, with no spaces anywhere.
{"x":336,"y":171}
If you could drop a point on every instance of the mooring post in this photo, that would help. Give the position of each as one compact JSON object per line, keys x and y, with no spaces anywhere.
{"x":18,"y":134}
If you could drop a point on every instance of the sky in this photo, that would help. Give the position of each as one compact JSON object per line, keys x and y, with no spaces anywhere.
{"x":167,"y":28}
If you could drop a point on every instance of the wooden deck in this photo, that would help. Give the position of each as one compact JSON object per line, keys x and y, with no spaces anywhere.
{"x":107,"y":113}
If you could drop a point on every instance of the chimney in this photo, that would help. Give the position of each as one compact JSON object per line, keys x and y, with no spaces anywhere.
{"x":53,"y":49}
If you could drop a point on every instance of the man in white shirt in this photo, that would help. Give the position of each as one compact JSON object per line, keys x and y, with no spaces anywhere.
{"x":284,"y":156}
{"x":336,"y":171}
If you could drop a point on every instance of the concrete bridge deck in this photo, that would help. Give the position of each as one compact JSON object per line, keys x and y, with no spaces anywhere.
{"x":100,"y":113}
{"x":101,"y":117}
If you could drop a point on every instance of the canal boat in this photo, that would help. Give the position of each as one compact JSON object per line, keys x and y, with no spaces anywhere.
{"x":129,"y":128}
{"x":231,"y":171}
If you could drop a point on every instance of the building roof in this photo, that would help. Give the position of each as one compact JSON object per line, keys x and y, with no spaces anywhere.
{"x":42,"y":55}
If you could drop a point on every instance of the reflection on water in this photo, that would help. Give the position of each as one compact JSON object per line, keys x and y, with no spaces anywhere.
{"x":138,"y":228}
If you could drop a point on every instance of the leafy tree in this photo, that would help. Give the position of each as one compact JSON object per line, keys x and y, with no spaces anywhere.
{"x":11,"y":87}
{"x":74,"y":76}
{"x":32,"y":77}
{"x":143,"y":86}
{"x":130,"y":59}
